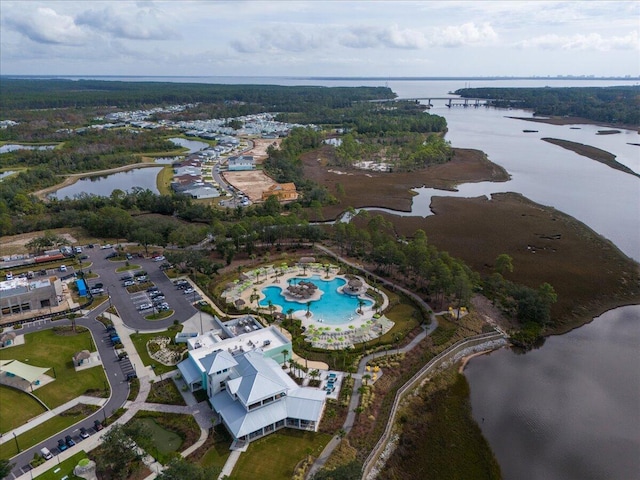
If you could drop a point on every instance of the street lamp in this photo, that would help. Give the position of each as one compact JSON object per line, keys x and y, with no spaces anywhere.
{"x":16,"y":439}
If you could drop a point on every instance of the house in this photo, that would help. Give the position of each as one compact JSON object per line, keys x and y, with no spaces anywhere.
{"x":248,"y":389}
{"x":240,"y":163}
{"x":285,"y":192}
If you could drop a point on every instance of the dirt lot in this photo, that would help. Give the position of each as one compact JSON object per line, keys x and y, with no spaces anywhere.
{"x":260,"y":145}
{"x":252,"y":182}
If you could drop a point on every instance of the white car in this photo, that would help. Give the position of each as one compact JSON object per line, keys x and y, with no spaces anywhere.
{"x":63,"y":268}
{"x":159,"y":259}
{"x":189,"y":290}
{"x":145,"y":306}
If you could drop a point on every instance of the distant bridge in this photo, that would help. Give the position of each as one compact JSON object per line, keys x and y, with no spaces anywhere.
{"x":450,"y":101}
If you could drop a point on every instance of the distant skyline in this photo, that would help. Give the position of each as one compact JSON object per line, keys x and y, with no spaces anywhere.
{"x":320,"y":38}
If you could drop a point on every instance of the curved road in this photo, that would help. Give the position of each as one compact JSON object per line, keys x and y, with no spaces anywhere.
{"x":131,"y":317}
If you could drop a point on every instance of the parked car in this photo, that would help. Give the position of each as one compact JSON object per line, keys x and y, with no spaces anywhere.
{"x":126,"y":276}
{"x":61,"y":445}
{"x":153,"y":289}
{"x":159,"y":258}
{"x":69,"y":441}
{"x":189,"y":290}
{"x":96,"y":291}
{"x":97,"y":425}
{"x":104,"y":247}
{"x":128,"y":283}
{"x":142,"y":278}
{"x":111,"y":255}
{"x":145,"y":306}
{"x":131,"y":376}
{"x":63,"y":268}
{"x":46,"y":454}
{"x":84,"y":433}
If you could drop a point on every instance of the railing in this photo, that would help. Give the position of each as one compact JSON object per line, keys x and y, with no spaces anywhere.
{"x":433,"y":363}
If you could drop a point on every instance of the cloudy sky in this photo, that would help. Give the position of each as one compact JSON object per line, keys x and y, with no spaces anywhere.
{"x":384,"y":38}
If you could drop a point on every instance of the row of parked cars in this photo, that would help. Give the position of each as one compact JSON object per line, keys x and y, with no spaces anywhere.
{"x":69,"y":442}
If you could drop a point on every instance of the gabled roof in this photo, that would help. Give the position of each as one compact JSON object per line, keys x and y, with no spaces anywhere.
{"x":221,"y":361}
{"x":257,"y":379}
{"x":240,"y":422}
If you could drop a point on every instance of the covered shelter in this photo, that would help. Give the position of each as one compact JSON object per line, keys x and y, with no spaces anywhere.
{"x":81,"y":356}
{"x":7,"y":339}
{"x":14,"y":369}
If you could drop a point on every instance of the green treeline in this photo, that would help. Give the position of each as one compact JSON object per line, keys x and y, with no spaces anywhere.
{"x":90,"y":150}
{"x":602,"y":104}
{"x":38,"y":94}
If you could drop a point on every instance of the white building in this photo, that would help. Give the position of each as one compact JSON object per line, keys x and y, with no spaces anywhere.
{"x":247,"y":387}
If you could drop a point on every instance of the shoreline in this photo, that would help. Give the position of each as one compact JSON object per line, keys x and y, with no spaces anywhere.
{"x":576,"y":121}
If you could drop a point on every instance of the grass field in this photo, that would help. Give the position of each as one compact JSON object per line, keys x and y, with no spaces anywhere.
{"x":64,"y":469}
{"x":274,"y":457}
{"x":42,"y":432}
{"x":47,"y":349}
{"x":219,"y":452}
{"x":165,"y":392}
{"x":29,"y":408}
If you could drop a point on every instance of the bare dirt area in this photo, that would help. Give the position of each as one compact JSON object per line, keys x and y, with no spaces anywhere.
{"x":363,"y":188}
{"x":589,"y":274}
{"x":252,"y":183}
{"x":260,"y":146}
{"x":15,"y":244}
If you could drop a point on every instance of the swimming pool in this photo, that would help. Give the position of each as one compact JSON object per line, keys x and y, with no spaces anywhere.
{"x":333,"y":308}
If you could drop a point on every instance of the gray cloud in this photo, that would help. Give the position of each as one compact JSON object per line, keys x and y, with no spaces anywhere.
{"x":278,"y":39}
{"x":46,"y":26}
{"x":591,"y":41}
{"x":143,"y":24}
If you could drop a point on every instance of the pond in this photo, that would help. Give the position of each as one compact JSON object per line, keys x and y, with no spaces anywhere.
{"x":103,"y":185}
{"x":13,"y":147}
{"x":192,"y":145}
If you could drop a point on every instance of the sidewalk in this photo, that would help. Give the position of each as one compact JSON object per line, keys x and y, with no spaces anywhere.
{"x":134,"y":357}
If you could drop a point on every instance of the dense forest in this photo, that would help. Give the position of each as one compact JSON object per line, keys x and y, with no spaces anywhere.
{"x":17,"y":94}
{"x":617,"y":105}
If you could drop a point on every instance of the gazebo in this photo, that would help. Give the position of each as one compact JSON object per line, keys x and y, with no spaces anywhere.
{"x":81,"y":356}
{"x":354,"y":285}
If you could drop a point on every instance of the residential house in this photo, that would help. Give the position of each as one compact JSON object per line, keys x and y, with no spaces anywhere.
{"x":284,"y":192}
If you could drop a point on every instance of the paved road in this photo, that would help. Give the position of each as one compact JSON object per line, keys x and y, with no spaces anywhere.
{"x":131,"y":317}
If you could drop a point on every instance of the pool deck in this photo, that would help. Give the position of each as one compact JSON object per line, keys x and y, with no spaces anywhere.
{"x":361,"y":327}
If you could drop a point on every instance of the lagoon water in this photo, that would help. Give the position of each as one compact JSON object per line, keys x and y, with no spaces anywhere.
{"x":569,"y":410}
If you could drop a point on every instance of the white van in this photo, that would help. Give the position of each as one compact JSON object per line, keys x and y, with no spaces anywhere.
{"x":46,"y":454}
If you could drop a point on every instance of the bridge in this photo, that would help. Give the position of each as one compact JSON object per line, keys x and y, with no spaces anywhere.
{"x":450,"y":101}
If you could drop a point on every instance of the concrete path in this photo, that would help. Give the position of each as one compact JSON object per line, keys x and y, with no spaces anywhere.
{"x":230,"y":463}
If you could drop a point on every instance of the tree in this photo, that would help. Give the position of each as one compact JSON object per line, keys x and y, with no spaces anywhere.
{"x":365,"y":378}
{"x":5,"y":467}
{"x":115,"y":458}
{"x":285,"y":353}
{"x":360,"y":305}
{"x":504,"y":263}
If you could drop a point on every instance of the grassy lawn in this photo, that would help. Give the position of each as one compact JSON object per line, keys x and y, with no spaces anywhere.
{"x":29,"y":408}
{"x":42,"y":432}
{"x":274,"y":457}
{"x":47,"y":349}
{"x":160,"y":315}
{"x":64,"y":469}
{"x":125,"y":268}
{"x":140,"y":341}
{"x":217,"y":455}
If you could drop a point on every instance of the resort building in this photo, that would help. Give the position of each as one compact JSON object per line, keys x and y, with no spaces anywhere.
{"x":24,"y":295}
{"x":246,"y":385}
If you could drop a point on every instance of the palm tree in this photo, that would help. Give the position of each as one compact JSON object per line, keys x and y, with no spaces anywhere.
{"x":270,"y":306}
{"x":285,"y":353}
{"x":308,"y":309}
{"x":360,"y":305}
{"x":314,"y":374}
{"x":366,"y":377}
{"x":327,"y":268}
{"x":304,"y":269}
{"x":290,"y":313}
{"x":255,"y":297}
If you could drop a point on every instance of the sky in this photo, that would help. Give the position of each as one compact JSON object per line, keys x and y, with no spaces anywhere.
{"x":366,"y":38}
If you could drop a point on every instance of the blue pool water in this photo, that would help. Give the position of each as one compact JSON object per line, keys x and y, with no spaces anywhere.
{"x":333,"y":308}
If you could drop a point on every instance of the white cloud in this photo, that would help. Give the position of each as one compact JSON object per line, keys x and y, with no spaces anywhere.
{"x":45,"y":25}
{"x":592,"y":41}
{"x":464,"y":35}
